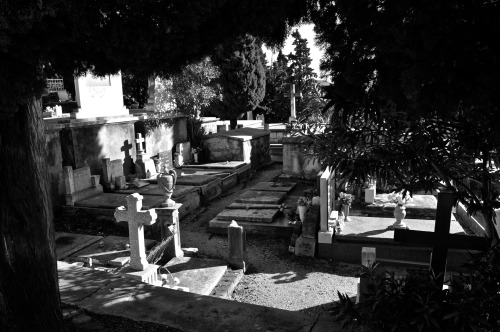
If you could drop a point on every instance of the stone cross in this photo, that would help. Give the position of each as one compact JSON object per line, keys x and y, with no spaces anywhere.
{"x":136,"y":220}
{"x":292,"y":95}
{"x":139,"y":140}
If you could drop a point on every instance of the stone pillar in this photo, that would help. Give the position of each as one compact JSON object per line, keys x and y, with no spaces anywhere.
{"x":168,"y":222}
{"x":368,"y":257}
{"x":237,"y":255}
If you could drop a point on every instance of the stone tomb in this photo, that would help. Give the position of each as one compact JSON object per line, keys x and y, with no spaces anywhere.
{"x":251,"y":215}
{"x":245,"y":144}
{"x":78,"y":184}
{"x":261,"y":197}
{"x":112,"y":170}
{"x":274,"y":186}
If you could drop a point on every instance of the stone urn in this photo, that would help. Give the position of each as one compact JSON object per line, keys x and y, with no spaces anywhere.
{"x":302,"y":212}
{"x":166,"y":182}
{"x":399,"y":214}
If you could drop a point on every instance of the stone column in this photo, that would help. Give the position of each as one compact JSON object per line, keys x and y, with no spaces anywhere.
{"x":237,"y":255}
{"x":168,"y":221}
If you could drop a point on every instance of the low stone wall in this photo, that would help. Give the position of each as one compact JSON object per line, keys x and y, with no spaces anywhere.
{"x":296,"y":162}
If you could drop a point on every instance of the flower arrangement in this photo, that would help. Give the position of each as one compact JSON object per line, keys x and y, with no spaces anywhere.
{"x":346,"y":199}
{"x":397,"y":197}
{"x":302,"y":201}
{"x":195,"y":150}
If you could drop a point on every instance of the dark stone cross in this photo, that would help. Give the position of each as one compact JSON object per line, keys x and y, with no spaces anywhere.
{"x":441,"y":239}
{"x":292,"y":94}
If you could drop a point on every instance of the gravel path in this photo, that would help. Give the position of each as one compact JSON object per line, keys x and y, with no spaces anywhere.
{"x":276,"y":278}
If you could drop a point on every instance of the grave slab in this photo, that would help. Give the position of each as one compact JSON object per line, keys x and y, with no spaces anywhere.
{"x":200,"y":275}
{"x":112,"y":201}
{"x":196,"y":179}
{"x":280,"y":228}
{"x":243,"y":206}
{"x":107,"y":249}
{"x":422,"y":207}
{"x":274,"y":186}
{"x":261,"y":197}
{"x":154,"y":190}
{"x":69,"y":243}
{"x":251,"y":215}
{"x":218,"y":165}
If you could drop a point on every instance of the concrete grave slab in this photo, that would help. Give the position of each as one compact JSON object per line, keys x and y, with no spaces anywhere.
{"x":69,"y":243}
{"x":274,"y":186}
{"x":243,"y":206}
{"x":196,"y":180}
{"x":112,"y":201}
{"x":251,"y":215}
{"x":261,"y":197}
{"x":422,"y":207}
{"x":155,"y":190}
{"x":280,"y":228}
{"x":200,"y":275}
{"x":108,"y":249}
{"x":218,"y":165}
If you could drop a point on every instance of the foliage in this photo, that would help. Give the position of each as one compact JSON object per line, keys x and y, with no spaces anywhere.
{"x":242,"y":78}
{"x":346,"y":199}
{"x":275,"y":103}
{"x":135,"y":90}
{"x":413,"y":94}
{"x":302,"y":201}
{"x":415,"y":303}
{"x":194,"y":88}
{"x":302,"y":75}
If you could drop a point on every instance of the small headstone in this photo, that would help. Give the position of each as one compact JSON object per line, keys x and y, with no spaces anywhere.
{"x":94,"y":180}
{"x":368,"y":256}
{"x":184,"y":150}
{"x":237,"y":255}
{"x":120,"y":182}
{"x":370,"y":195}
{"x":305,"y":247}
{"x":168,"y":220}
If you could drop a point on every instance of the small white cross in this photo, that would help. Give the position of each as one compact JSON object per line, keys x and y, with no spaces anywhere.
{"x":136,"y":220}
{"x":292,"y":96}
{"x":139,"y":140}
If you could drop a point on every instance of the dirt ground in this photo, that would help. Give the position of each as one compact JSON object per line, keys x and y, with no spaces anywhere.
{"x":276,"y":278}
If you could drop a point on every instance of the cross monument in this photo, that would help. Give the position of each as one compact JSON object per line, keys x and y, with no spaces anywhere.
{"x":136,"y":220}
{"x":139,"y":140}
{"x":292,"y":94}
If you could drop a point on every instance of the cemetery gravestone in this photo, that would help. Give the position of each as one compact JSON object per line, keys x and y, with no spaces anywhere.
{"x":237,"y":256}
{"x":78,"y":184}
{"x":292,"y":94}
{"x":327,"y":205}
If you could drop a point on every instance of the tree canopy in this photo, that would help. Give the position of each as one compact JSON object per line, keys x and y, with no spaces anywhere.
{"x":415,"y":96}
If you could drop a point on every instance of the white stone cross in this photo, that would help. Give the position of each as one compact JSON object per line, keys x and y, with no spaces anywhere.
{"x":139,"y":140}
{"x":292,"y":95}
{"x":136,"y":220}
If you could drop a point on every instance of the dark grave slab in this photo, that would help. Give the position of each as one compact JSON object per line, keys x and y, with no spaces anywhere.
{"x":261,"y":197}
{"x":251,"y":215}
{"x":200,"y":275}
{"x":155,"y":190}
{"x":108,"y":249}
{"x":274,"y":186}
{"x":243,"y":206}
{"x":69,"y":243}
{"x":218,"y":165}
{"x":196,"y":180}
{"x":112,"y":201}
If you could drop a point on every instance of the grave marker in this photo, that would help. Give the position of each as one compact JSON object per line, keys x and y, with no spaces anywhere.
{"x":237,"y":255}
{"x":136,"y":220}
{"x":292,"y":94}
{"x":78,"y":184}
{"x":441,"y":239}
{"x":327,"y":205}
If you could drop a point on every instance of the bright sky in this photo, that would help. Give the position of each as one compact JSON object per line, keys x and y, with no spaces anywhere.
{"x":306,"y":31}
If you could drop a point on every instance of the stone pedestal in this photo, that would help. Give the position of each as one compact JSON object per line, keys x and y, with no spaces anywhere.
{"x":168,"y":222}
{"x":149,"y":276}
{"x":370,"y":195}
{"x":237,"y":255}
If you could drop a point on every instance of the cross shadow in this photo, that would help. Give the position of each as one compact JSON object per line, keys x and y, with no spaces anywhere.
{"x":374,"y":232}
{"x":128,"y":162}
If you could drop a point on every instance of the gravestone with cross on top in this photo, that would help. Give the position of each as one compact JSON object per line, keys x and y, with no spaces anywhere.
{"x":140,"y":167}
{"x":136,"y":220}
{"x":292,"y":94}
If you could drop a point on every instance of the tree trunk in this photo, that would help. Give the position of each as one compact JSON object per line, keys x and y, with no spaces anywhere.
{"x":233,"y":122}
{"x":29,"y":291}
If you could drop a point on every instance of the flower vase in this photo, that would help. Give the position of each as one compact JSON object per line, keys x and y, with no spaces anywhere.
{"x":302,"y":212}
{"x":195,"y":156}
{"x":399,"y":214}
{"x":345,"y":210}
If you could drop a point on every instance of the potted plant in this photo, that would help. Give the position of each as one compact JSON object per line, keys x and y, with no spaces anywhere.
{"x":195,"y":152}
{"x":400,"y":209}
{"x":345,"y":203}
{"x":302,"y":207}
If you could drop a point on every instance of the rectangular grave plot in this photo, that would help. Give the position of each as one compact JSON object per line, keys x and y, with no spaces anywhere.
{"x":251,"y":215}
{"x":274,"y":186}
{"x":196,"y":180}
{"x":112,"y":201}
{"x":261,"y":197}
